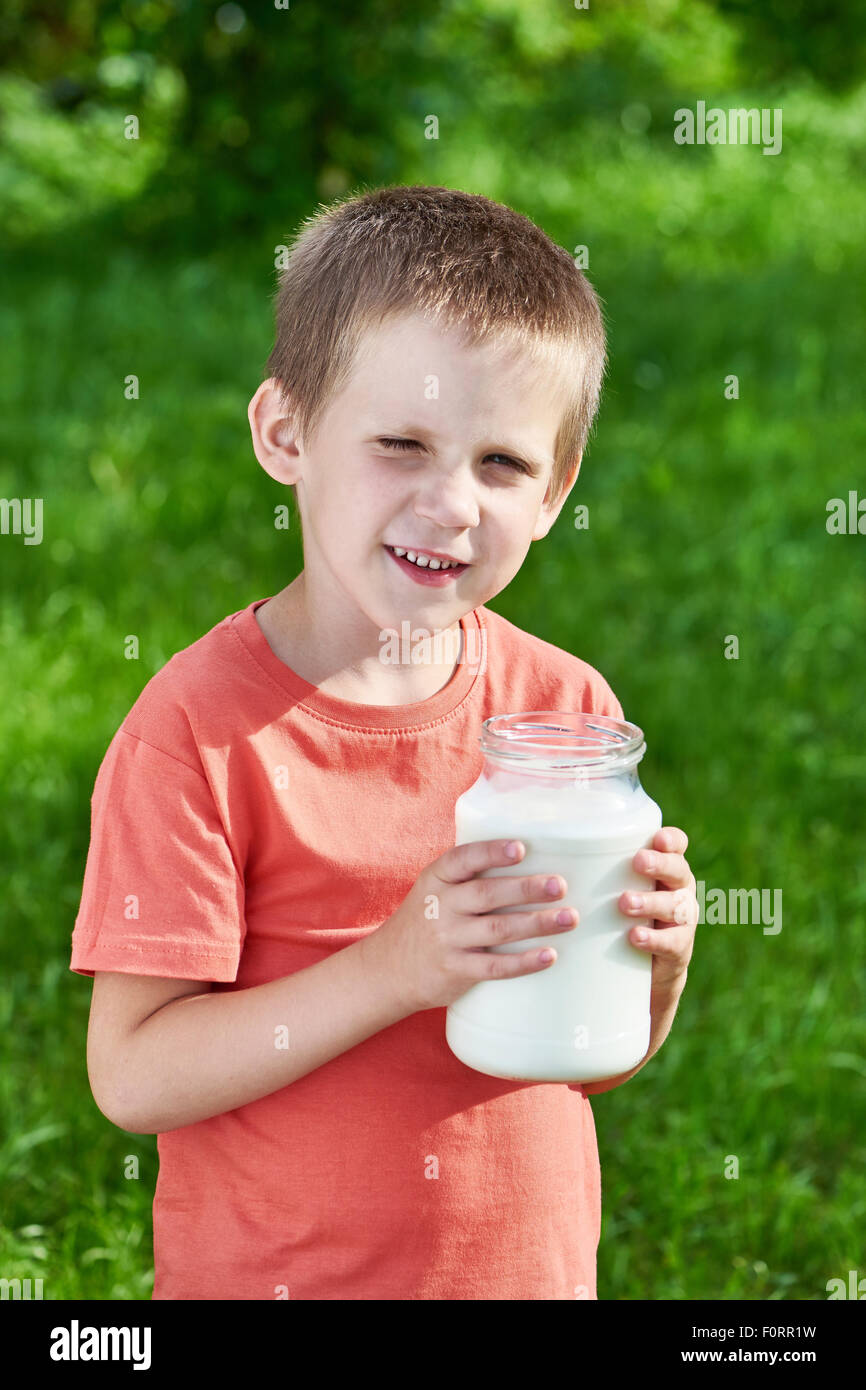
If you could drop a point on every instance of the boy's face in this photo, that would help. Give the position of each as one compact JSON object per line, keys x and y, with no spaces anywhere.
{"x":471,"y":484}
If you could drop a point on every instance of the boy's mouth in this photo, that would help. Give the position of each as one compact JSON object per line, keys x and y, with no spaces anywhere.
{"x":431,"y":570}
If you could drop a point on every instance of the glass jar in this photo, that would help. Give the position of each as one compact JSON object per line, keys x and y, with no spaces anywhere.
{"x":567,"y":786}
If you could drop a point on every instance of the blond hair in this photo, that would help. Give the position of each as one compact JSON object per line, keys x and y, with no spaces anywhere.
{"x":459,"y":258}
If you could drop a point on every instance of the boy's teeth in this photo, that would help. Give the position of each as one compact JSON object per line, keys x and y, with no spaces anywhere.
{"x":424,"y":561}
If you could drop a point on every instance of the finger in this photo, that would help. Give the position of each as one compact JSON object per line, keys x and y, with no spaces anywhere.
{"x":505,"y":893}
{"x":490,"y":965}
{"x":481,"y":933}
{"x":679,"y":907}
{"x":670,"y":869}
{"x":671,"y":943}
{"x":500,"y":891}
{"x":670,"y":837}
{"x":463,"y":862}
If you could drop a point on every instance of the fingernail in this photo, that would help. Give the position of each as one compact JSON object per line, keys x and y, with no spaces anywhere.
{"x":634,"y":900}
{"x":640,"y":934}
{"x":649,"y":861}
{"x":512,"y":849}
{"x":552,"y":886}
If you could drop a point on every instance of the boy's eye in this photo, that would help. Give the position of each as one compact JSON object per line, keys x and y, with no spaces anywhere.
{"x":408,"y":444}
{"x":399,"y":443}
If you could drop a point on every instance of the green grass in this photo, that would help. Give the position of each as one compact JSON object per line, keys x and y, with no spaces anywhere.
{"x":706,"y":520}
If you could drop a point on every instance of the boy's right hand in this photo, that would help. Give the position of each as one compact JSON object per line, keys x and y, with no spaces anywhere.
{"x":431,"y":960}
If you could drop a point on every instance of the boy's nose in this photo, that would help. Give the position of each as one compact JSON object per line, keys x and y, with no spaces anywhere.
{"x":450,"y":502}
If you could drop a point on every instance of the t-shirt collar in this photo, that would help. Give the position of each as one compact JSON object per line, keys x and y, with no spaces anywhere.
{"x":445,"y":702}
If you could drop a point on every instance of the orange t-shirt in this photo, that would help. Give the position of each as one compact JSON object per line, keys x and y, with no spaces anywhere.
{"x":260,"y":824}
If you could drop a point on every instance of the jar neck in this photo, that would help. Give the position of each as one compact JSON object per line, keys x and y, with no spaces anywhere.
{"x":557,"y":745}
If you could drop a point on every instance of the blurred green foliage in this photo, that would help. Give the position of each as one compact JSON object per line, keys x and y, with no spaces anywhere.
{"x":707,"y":518}
{"x":248,"y":114}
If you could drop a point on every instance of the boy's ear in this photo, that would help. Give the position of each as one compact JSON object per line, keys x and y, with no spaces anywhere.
{"x":550,"y":510}
{"x":274,"y":438}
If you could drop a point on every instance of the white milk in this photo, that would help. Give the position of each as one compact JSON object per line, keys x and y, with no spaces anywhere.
{"x":585,"y":1016}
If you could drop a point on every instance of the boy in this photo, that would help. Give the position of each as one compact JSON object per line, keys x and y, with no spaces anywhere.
{"x":275,"y":811}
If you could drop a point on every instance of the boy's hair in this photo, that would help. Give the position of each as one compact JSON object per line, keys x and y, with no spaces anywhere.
{"x":459,"y":258}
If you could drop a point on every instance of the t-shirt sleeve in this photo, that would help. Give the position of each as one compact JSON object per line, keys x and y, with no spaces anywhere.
{"x":162,"y":894}
{"x":610,"y":704}
{"x":598,"y":696}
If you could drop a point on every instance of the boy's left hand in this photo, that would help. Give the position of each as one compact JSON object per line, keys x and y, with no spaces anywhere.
{"x":670,"y":946}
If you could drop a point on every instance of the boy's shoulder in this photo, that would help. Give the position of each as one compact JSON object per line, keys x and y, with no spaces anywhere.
{"x":188,"y":694}
{"x":535,"y":669}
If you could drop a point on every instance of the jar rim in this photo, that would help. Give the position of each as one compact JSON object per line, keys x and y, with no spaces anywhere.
{"x":559,"y":740}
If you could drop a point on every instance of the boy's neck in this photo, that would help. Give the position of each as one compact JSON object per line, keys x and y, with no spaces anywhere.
{"x":337,"y":663}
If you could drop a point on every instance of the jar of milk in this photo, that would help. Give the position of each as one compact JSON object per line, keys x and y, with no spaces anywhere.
{"x":567,"y":786}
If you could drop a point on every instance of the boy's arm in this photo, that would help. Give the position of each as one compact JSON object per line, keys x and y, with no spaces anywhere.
{"x":206,"y":1053}
{"x":663,"y":1006}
